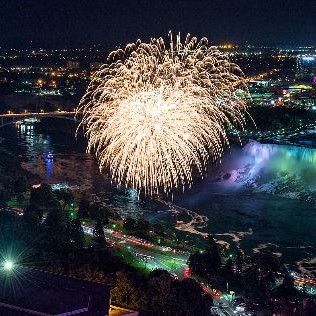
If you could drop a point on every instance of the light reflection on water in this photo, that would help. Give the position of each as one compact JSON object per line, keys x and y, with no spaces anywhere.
{"x":71,"y":164}
{"x":270,"y":189}
{"x":263,"y":152}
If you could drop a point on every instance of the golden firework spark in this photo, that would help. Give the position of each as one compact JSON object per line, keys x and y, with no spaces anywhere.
{"x":155,"y":114}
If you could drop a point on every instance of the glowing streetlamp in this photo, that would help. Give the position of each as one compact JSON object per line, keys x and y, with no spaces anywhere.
{"x":8,"y":265}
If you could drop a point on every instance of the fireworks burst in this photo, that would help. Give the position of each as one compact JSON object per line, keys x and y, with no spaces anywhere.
{"x":155,"y":114}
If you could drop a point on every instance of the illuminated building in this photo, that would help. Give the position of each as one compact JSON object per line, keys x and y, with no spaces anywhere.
{"x":306,"y":66}
{"x":95,"y":65}
{"x":73,"y":64}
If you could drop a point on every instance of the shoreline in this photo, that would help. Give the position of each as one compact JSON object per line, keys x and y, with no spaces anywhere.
{"x":197,"y":223}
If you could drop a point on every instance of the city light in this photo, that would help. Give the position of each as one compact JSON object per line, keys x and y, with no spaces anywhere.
{"x":308,"y":58}
{"x":195,"y":192}
{"x":8,"y":265}
{"x":159,"y":112}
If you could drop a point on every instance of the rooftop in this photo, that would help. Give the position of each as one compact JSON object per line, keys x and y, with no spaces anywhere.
{"x":26,"y":291}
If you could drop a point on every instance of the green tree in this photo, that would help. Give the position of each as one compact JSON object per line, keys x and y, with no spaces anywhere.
{"x":76,"y":234}
{"x":213,"y":253}
{"x":157,"y":273}
{"x":161,"y":294}
{"x":98,"y":234}
{"x":94,"y":211}
{"x":267,"y":262}
{"x":142,"y":228}
{"x":99,"y":212}
{"x":43,"y":198}
{"x":31,"y":218}
{"x":126,"y":293}
{"x":130,"y":224}
{"x":191,"y":291}
{"x":167,"y":296}
{"x":55,"y":230}
{"x":65,"y":197}
{"x":84,"y":207}
{"x":208,"y":262}
{"x":160,"y":229}
{"x":4,"y":196}
{"x":228,"y":268}
{"x":198,"y":264}
{"x":20,"y":185}
{"x":240,"y":260}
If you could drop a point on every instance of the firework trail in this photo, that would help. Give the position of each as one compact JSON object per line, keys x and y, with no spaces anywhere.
{"x":156,"y":113}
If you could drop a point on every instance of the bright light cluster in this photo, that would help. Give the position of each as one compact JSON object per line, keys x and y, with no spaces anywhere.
{"x":156,"y":113}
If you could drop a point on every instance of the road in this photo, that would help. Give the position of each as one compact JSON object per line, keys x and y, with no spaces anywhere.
{"x":8,"y":118}
{"x":151,"y":257}
{"x":36,"y":114}
{"x":222,"y":306}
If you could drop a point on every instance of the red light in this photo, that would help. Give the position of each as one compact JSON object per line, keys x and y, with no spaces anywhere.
{"x":187,"y":272}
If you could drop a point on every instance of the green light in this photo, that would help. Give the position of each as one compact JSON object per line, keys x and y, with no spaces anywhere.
{"x":8,"y":265}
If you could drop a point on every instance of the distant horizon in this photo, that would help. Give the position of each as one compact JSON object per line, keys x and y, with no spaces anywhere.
{"x":111,"y":23}
{"x":96,"y":45}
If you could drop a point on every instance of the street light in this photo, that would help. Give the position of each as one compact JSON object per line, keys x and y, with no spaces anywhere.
{"x":8,"y":265}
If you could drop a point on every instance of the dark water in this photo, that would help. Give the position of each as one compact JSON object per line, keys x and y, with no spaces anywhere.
{"x":71,"y":164}
{"x":261,"y":196}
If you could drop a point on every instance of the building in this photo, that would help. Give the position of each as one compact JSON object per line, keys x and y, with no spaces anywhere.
{"x":95,"y":65}
{"x":306,"y":66}
{"x":73,"y":64}
{"x":26,"y":291}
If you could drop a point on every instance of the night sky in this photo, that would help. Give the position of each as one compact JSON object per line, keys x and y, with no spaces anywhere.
{"x":44,"y":23}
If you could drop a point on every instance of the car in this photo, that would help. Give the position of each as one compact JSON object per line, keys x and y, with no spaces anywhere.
{"x":174,"y":276}
{"x":215,"y":310}
{"x":216,"y":292}
{"x":240,"y":308}
{"x":224,"y":305}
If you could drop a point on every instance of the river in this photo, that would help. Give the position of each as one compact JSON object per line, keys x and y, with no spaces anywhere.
{"x":259,"y":196}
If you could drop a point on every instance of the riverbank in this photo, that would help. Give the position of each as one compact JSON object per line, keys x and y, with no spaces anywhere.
{"x":225,"y":206}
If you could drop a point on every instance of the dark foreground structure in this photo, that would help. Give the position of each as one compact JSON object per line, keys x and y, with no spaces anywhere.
{"x":26,"y":291}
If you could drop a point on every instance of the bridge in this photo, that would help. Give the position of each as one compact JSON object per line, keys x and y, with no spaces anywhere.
{"x":10,"y":118}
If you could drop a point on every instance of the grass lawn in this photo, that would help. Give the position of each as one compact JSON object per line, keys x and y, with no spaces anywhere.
{"x":89,"y":222}
{"x":170,"y":263}
{"x":88,"y":240}
{"x":13,"y":202}
{"x":130,"y":260}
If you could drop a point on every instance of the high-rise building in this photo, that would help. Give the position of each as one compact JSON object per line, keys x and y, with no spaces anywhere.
{"x":306,"y":66}
{"x":72,"y":64}
{"x":95,"y":65}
